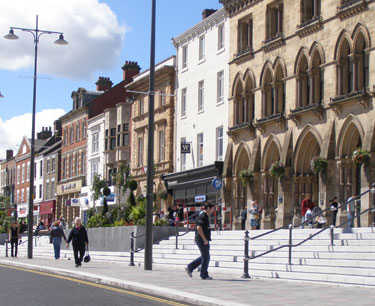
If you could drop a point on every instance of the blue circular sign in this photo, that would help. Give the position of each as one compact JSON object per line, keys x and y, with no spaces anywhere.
{"x":217,"y":183}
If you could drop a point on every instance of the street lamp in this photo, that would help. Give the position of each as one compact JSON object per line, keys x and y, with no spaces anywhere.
{"x":60,"y":41}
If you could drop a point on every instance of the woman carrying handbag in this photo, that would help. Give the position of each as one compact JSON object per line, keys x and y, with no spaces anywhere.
{"x":80,"y":241}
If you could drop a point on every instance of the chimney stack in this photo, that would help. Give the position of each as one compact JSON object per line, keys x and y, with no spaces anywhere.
{"x":207,"y":12}
{"x":9,"y":154}
{"x":57,"y":128}
{"x":130,"y":69}
{"x":103,"y":84}
{"x":44,"y":134}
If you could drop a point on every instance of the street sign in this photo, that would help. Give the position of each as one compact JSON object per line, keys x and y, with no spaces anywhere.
{"x":185,"y":148}
{"x":200,"y":198}
{"x":217,"y":183}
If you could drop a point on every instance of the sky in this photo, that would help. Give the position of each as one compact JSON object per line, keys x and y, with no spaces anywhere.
{"x":102,"y":34}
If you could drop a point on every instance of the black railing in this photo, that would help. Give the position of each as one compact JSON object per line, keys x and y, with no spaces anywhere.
{"x":132,"y":246}
{"x":290,"y":245}
{"x":177,"y":232}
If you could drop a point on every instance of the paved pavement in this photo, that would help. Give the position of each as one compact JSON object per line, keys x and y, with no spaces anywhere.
{"x":222,"y":290}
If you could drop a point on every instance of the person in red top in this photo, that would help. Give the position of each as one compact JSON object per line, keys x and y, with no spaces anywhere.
{"x":306,"y":204}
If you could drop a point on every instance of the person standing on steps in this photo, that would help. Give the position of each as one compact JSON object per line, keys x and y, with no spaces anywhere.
{"x":243,"y":217}
{"x":202,"y":239}
{"x":14,"y":235}
{"x":57,"y":234}
{"x":351,"y":210}
{"x":80,"y":240}
{"x":334,"y":209}
{"x":305,"y":206}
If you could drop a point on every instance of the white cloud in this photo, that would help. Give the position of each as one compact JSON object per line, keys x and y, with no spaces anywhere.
{"x":13,"y":130}
{"x":94,"y":34}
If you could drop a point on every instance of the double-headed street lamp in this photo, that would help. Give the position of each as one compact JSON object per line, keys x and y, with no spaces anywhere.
{"x":61,"y":41}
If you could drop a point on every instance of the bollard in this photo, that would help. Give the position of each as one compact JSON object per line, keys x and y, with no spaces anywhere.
{"x":290,"y":243}
{"x":246,"y":258}
{"x":331,"y":230}
{"x":132,"y":249}
{"x":6,"y":248}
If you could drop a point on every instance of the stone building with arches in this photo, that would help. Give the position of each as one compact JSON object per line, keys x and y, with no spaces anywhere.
{"x":301,"y":87}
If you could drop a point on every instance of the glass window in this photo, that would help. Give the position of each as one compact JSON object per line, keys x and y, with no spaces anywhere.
{"x":41,"y":169}
{"x":125,"y":127}
{"x":200,"y":149}
{"x":40,"y":191}
{"x":220,"y":36}
{"x":219,"y":143}
{"x":83,"y":163}
{"x":161,"y":145}
{"x":183,"y":102}
{"x":46,"y":194}
{"x":220,"y":86}
{"x":125,"y":139}
{"x":184,"y":56}
{"x":76,"y":164}
{"x":53,"y":191}
{"x":95,"y":142}
{"x":28,"y":172}
{"x":140,"y":151}
{"x":78,"y":131}
{"x":53,"y":164}
{"x":18,"y":174}
{"x":141,"y":109}
{"x":200,"y":96}
{"x":201,"y":47}
{"x":72,"y":133}
{"x":23,"y":173}
{"x":47,"y":166}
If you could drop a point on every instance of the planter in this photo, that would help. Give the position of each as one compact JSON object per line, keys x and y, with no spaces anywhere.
{"x":277,"y":169}
{"x":246,"y":176}
{"x":319,"y":165}
{"x":361,"y":157}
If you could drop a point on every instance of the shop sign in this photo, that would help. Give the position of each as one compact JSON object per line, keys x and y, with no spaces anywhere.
{"x":185,"y":148}
{"x":110,"y":198}
{"x":75,"y":203}
{"x":200,"y":199}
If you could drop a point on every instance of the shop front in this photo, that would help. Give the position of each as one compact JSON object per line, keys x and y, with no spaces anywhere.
{"x":68,"y":203}
{"x":47,"y":212}
{"x":23,"y":211}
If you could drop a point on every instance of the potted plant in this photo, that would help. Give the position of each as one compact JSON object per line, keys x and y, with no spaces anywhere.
{"x":319,"y":165}
{"x":277,"y":169}
{"x":361,"y":156}
{"x":246,"y":176}
{"x":163,"y":194}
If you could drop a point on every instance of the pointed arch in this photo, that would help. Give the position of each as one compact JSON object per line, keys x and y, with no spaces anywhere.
{"x":346,"y":137}
{"x":271,"y":151}
{"x":242,"y":157}
{"x":361,"y":29}
{"x":267,"y":67}
{"x":315,"y":48}
{"x":279,"y":62}
{"x":300,"y":54}
{"x":343,"y":37}
{"x":308,"y":146}
{"x":236,"y":83}
{"x":249,"y":76}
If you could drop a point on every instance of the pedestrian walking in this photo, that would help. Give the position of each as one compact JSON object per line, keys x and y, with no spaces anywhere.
{"x":305,"y":206}
{"x":80,"y":240}
{"x":334,"y":209}
{"x":351,"y":210}
{"x":254,"y":215}
{"x":243,"y":217}
{"x":14,"y":235}
{"x":56,"y":235}
{"x":202,"y":239}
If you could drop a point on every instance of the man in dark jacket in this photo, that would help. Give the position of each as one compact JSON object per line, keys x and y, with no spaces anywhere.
{"x":202,"y":239}
{"x":80,"y":240}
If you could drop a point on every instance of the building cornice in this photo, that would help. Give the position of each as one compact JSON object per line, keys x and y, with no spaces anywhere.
{"x":236,"y":6}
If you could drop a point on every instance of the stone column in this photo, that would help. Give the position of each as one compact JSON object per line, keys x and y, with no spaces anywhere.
{"x":279,"y":19}
{"x":245,"y":109}
{"x":311,"y":77}
{"x":339,"y":79}
{"x":299,"y":92}
{"x":315,"y":7}
{"x":264,"y":102}
{"x":235,"y":104}
{"x":354,"y":61}
{"x":285,"y":192}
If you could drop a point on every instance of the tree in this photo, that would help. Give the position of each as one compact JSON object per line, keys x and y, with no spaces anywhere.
{"x":121,"y":180}
{"x":106,"y":192}
{"x":97,"y":187}
{"x":132,"y":186}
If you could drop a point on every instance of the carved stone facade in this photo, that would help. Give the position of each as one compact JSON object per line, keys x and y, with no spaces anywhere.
{"x":163,"y":130}
{"x":309,"y":95}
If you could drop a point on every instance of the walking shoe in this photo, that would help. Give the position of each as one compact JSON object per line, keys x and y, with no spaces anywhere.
{"x":207,"y":278}
{"x":77,"y":266}
{"x":188,"y":272}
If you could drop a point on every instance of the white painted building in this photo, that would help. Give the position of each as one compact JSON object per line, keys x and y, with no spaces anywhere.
{"x":201,"y":109}
{"x":202,"y":106}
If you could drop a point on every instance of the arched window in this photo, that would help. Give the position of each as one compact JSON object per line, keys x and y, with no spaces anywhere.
{"x":303,"y":83}
{"x":249,"y":100}
{"x":267,"y":95}
{"x":279,"y":91}
{"x":344,"y":70}
{"x":360,"y":64}
{"x":316,"y":79}
{"x":310,"y":10}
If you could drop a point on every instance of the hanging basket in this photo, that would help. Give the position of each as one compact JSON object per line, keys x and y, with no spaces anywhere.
{"x":277,"y":169}
{"x":163,"y":194}
{"x":361,"y":157}
{"x":319,"y":165}
{"x":246,"y":176}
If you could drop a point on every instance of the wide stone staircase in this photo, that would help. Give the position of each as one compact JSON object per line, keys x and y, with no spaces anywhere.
{"x":350,"y":260}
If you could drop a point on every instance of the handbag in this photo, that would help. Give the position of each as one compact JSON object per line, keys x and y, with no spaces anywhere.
{"x":87,"y":257}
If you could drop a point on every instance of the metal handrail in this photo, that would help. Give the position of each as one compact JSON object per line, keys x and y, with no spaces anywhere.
{"x":314,"y":216}
{"x":290,"y":245}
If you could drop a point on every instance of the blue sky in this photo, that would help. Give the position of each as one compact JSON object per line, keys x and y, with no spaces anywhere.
{"x":102,"y":34}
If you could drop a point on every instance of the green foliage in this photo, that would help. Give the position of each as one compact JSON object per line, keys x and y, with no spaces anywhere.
{"x":133,"y":185}
{"x":98,"y":221}
{"x":246,"y":176}
{"x":138,"y":213}
{"x":131,"y":199}
{"x":277,"y":169}
{"x":97,"y":186}
{"x":161,"y":222}
{"x":319,"y":165}
{"x":163,"y":194}
{"x":105,"y":206}
{"x":361,"y":156}
{"x":119,"y":223}
{"x":4,"y":222}
{"x":90,"y":212}
{"x":106,"y":191}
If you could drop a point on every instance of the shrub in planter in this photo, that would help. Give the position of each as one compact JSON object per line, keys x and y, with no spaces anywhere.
{"x":277,"y":169}
{"x":132,"y":186}
{"x":361,"y":156}
{"x":246,"y":176}
{"x":161,"y":222}
{"x":319,"y":165}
